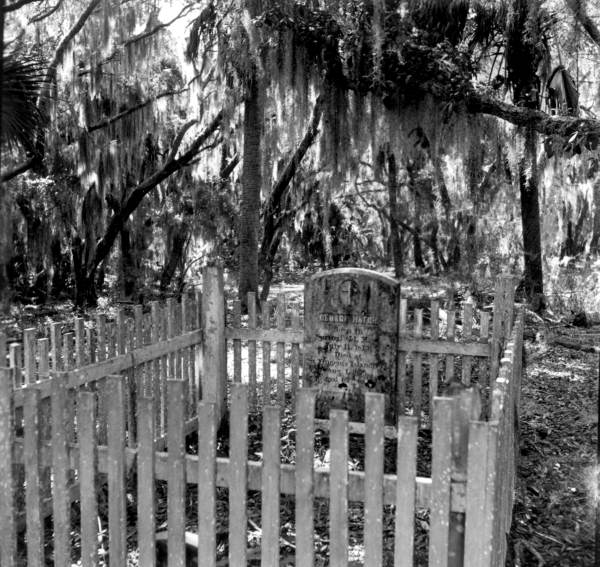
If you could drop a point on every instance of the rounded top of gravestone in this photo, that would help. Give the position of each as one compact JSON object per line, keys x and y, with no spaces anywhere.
{"x":356,"y":272}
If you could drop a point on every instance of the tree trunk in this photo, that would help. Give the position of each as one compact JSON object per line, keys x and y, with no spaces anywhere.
{"x":530,"y":219}
{"x":176,"y":253}
{"x":395,"y":237}
{"x":249,"y":224}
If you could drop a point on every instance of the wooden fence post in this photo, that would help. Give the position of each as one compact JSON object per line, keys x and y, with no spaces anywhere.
{"x":214,"y":372}
{"x":467,"y":408}
{"x":8,"y":541}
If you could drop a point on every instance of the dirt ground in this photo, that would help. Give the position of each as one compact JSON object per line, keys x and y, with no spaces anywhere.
{"x":553,"y":520}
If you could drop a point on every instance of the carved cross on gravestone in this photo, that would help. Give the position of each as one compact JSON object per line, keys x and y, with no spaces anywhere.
{"x":351,"y":339}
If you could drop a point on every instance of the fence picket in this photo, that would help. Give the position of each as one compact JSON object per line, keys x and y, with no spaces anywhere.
{"x":467,"y":361}
{"x":8,"y":541}
{"x":295,"y":355}
{"x":406,"y":472}
{"x":441,"y":467}
{"x":145,"y":482}
{"x":270,"y":487}
{"x":79,"y":329}
{"x":480,"y":499}
{"x":43,"y":361}
{"x":29,"y":356}
{"x":417,"y":367}
{"x":3,"y":350}
{"x":117,"y":521}
{"x":237,"y":343}
{"x":402,"y":331}
{"x":60,"y":469}
{"x":15,"y":356}
{"x":238,"y":474}
{"x":305,"y":413}
{"x":252,"y":350}
{"x":177,"y":479}
{"x":31,"y":457}
{"x":450,"y":336}
{"x":338,"y":491}
{"x":434,"y":359}
{"x":280,"y":351}
{"x":373,"y":526}
{"x":56,"y":346}
{"x":157,"y":368}
{"x":266,"y":354}
{"x":207,"y":465}
{"x":86,"y":422}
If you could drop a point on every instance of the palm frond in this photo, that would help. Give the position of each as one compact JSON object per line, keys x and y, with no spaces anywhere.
{"x":21,"y":81}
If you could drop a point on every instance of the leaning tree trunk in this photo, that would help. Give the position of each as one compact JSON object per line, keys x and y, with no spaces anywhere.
{"x":530,"y":219}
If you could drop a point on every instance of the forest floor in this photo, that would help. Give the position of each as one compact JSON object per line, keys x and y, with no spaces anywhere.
{"x":553,"y":522}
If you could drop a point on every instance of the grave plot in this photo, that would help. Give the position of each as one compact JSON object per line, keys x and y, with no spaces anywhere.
{"x":279,"y":482}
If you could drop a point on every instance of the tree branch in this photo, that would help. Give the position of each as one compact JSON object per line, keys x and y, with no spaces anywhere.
{"x":22,"y":168}
{"x":112,"y":119}
{"x":61,"y":49}
{"x":138,"y":193}
{"x":18,"y":4}
{"x":586,"y":22}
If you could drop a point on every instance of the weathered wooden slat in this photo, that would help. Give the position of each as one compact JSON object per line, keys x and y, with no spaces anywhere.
{"x":418,"y":367}
{"x":86,"y":421}
{"x":238,"y":474}
{"x":15,"y":361}
{"x":43,"y":346}
{"x":157,"y":368}
{"x":252,"y":350}
{"x":206,"y":470}
{"x":79,"y":330}
{"x":280,"y":352}
{"x":450,"y":336}
{"x":467,"y":361}
{"x":176,"y":488}
{"x":117,"y":520}
{"x":480,"y":499}
{"x":3,"y":350}
{"x":357,"y":428}
{"x":434,"y":359}
{"x":61,"y":428}
{"x":31,"y":446}
{"x":265,"y":334}
{"x":56,"y":346}
{"x":145,"y":482}
{"x":402,"y":377}
{"x":270,"y":487}
{"x":405,"y":491}
{"x":266,"y":352}
{"x":338,"y":497}
{"x":295,"y":355}
{"x":237,"y":343}
{"x":374,"y":416}
{"x":29,"y":369}
{"x":305,"y":411}
{"x":8,"y":541}
{"x":443,"y":347}
{"x":214,"y":371}
{"x":441,"y":467}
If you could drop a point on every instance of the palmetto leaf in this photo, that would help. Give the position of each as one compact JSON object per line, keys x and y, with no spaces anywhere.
{"x":22,"y":79}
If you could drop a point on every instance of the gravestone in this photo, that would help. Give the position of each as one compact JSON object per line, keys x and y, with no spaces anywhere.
{"x":351,"y":339}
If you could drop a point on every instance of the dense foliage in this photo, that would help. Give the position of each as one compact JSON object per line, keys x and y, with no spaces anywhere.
{"x":425,"y":135}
